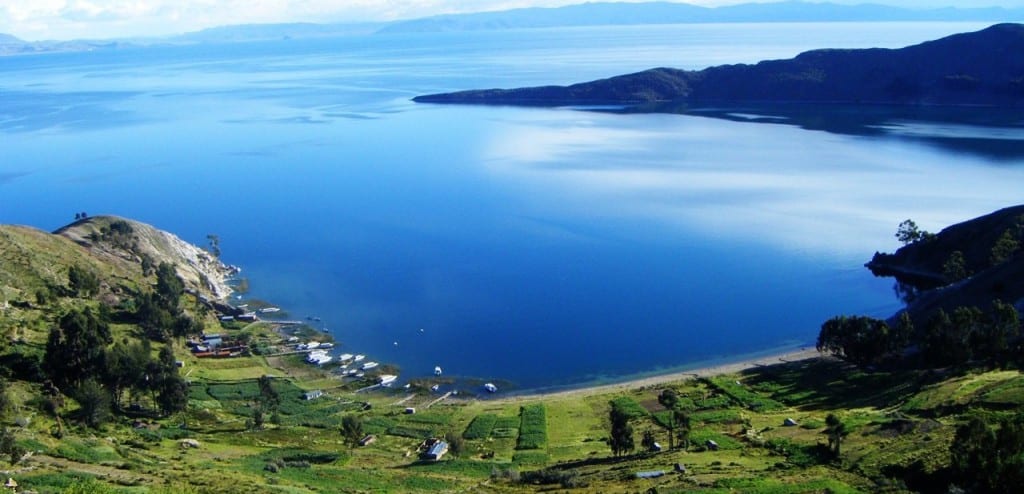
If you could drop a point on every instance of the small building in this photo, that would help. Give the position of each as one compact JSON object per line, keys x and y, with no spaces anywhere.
{"x":312,"y":395}
{"x":410,"y":410}
{"x":369,"y":439}
{"x":711,"y":445}
{"x":436,"y":451}
{"x":656,"y":447}
{"x":789,"y":422}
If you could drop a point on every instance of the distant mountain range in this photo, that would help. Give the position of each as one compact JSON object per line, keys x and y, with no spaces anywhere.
{"x":980,"y":68}
{"x":606,"y":14}
{"x":587,"y":14}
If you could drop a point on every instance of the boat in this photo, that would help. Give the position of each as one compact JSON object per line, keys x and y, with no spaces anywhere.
{"x":369,"y":365}
{"x":319,"y":357}
{"x":358,"y":358}
{"x":267,"y":310}
{"x":435,"y":387}
{"x":327,"y":345}
{"x":491,"y":387}
{"x":360,"y":374}
{"x":313,"y":344}
{"x":387,"y":379}
{"x":345,"y":357}
{"x":437,"y":370}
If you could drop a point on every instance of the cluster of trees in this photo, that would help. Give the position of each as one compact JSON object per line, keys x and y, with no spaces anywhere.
{"x":81,"y":362}
{"x":986,"y":458}
{"x":968,"y":334}
{"x":676,"y":421}
{"x":864,"y":340}
{"x":159,"y":313}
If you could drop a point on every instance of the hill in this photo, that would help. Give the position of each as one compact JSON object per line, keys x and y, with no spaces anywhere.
{"x":970,"y":263}
{"x":266,"y":421}
{"x":650,"y":13}
{"x":980,"y":68}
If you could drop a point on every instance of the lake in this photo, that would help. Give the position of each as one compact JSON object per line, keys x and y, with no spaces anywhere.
{"x":531,"y":247}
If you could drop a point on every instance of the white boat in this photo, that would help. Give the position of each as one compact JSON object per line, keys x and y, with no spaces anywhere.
{"x":369,"y":365}
{"x":267,"y":310}
{"x":319,"y":358}
{"x":437,"y":370}
{"x":491,"y":388}
{"x":345,"y":357}
{"x":313,"y":344}
{"x":327,"y":345}
{"x":358,"y":358}
{"x":435,"y":387}
{"x":360,"y":374}
{"x":387,"y":379}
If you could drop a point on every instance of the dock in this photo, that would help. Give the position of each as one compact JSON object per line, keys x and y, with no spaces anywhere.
{"x":442,"y":398}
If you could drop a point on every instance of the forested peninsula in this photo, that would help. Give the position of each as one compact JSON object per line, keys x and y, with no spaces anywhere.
{"x":979,"y":68}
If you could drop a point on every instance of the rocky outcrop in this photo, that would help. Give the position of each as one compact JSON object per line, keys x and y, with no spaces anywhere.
{"x":106,"y":237}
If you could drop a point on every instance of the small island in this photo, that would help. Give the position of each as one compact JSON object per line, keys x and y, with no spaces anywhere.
{"x":980,"y":68}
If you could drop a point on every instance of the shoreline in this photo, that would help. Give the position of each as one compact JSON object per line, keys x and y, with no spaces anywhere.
{"x":725,"y":367}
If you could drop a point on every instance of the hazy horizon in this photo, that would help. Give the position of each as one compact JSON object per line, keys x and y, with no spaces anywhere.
{"x":59,"y":20}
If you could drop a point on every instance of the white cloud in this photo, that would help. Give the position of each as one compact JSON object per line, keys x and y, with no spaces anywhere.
{"x":67,"y":19}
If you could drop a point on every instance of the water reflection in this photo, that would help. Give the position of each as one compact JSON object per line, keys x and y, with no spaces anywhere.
{"x":996,"y":134}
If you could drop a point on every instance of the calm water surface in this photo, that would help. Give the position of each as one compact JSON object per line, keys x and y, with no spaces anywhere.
{"x":532,"y":247}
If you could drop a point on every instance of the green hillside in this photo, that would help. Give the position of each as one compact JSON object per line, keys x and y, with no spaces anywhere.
{"x":242,"y":424}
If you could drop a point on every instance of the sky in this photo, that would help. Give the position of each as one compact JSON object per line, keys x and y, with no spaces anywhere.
{"x":100,"y":19}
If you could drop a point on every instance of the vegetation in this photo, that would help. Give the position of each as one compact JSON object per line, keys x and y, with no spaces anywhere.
{"x":937,"y":413}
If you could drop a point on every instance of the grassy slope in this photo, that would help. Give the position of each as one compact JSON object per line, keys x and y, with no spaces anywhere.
{"x":898,"y":420}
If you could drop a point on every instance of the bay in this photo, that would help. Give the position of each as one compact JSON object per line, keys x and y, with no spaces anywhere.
{"x":535,"y":247}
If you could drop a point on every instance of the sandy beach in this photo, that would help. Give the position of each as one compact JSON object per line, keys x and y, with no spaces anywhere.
{"x":724,"y":368}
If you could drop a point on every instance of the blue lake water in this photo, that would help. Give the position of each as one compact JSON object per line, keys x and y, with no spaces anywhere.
{"x":537,"y":247}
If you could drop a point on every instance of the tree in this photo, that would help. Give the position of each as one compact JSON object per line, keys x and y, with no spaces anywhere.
{"x":683,"y":428}
{"x":621,"y":437}
{"x":169,"y":286}
{"x":214,"y":241}
{"x":76,"y":348}
{"x":908,"y":232}
{"x":9,"y":447}
{"x":955,"y":267}
{"x":648,"y":440}
{"x":859,"y":339}
{"x":456,"y":443}
{"x":988,"y":460}
{"x":352,"y":429}
{"x":125,"y":368}
{"x":171,"y":389}
{"x":1005,"y":247}
{"x":93,"y":402}
{"x":836,"y":431}
{"x":268,"y":398}
{"x":669,"y":399}
{"x":82,"y":281}
{"x":947,"y":342}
